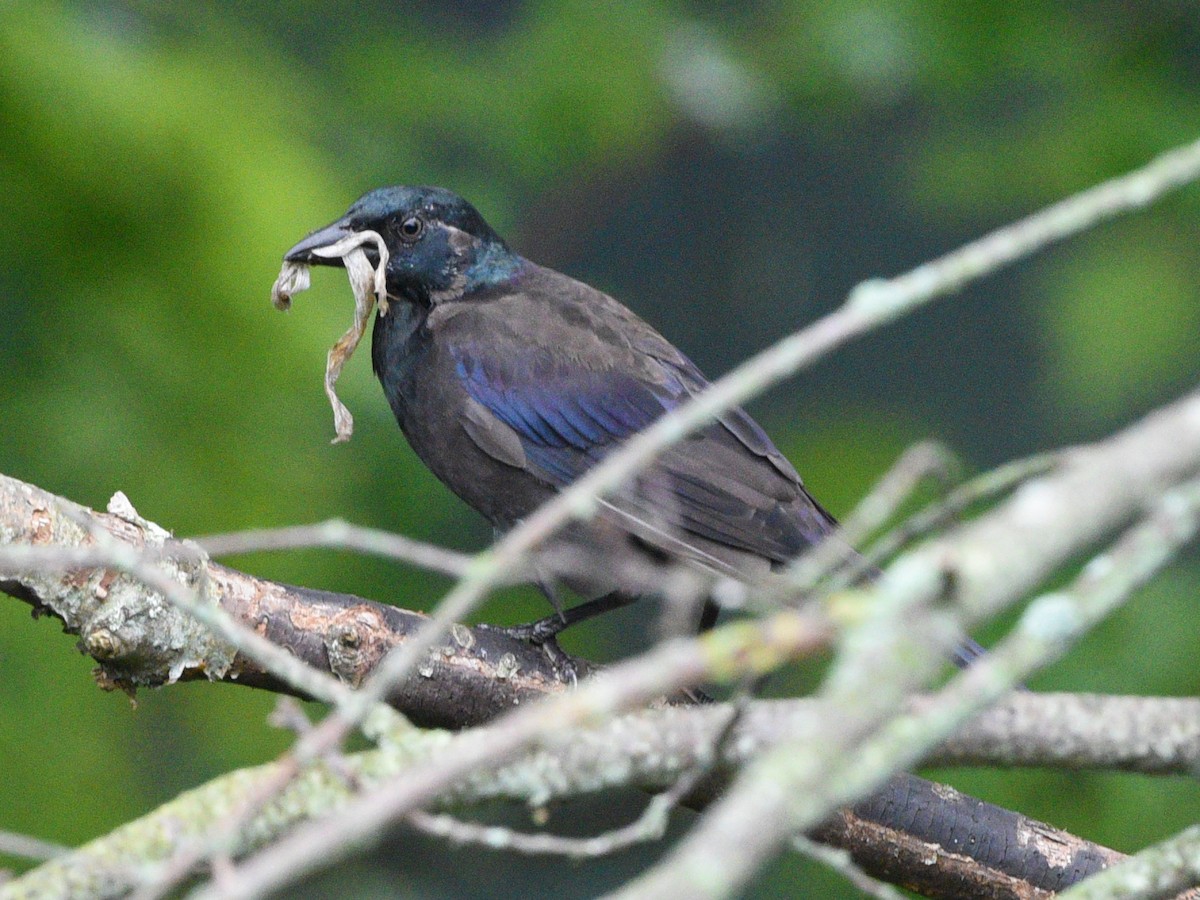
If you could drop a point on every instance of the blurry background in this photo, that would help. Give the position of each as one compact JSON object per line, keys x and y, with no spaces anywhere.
{"x":729,"y":170}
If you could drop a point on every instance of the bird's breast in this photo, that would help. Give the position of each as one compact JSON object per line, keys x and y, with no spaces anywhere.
{"x":419,"y":375}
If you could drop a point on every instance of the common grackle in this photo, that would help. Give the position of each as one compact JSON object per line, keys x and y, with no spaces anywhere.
{"x":510,"y":380}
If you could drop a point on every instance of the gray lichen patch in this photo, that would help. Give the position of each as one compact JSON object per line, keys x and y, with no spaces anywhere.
{"x":79,"y":566}
{"x":146,"y":639}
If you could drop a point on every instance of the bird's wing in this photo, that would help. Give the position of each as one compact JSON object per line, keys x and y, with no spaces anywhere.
{"x":595,"y":375}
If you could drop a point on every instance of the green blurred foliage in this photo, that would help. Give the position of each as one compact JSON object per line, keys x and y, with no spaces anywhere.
{"x":1126,"y":321}
{"x":728,"y":169}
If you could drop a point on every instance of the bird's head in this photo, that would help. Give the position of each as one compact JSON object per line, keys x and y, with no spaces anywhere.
{"x":439,"y":247}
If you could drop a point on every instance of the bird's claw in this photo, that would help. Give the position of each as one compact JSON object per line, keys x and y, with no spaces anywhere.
{"x":539,"y":633}
{"x":544,"y":634}
{"x":564,"y":666}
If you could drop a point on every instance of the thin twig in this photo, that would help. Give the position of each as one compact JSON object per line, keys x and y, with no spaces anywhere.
{"x":942,"y":512}
{"x":340,"y":535}
{"x":26,"y":847}
{"x":922,"y":462}
{"x":928,"y":459}
{"x":651,"y":825}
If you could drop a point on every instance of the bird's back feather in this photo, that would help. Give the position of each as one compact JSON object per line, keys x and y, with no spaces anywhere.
{"x":567,"y":374}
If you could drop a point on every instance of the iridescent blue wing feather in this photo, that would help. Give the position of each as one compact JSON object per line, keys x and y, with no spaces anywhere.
{"x":726,"y":485}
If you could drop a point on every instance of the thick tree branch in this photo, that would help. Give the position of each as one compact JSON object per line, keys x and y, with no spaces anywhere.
{"x":475,"y":682}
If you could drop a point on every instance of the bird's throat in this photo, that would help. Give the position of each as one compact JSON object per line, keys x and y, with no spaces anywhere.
{"x":398,"y":343}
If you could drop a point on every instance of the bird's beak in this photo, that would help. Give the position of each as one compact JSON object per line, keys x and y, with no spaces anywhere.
{"x":323,"y":237}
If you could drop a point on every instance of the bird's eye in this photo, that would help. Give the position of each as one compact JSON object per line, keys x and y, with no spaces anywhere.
{"x":411,"y":229}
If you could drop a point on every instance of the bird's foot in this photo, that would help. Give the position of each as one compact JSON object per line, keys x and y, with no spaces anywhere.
{"x":695,"y":697}
{"x":561,"y":662}
{"x":544,"y":634}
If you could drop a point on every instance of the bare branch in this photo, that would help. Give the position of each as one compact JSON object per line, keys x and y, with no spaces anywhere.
{"x":340,"y":535}
{"x":588,"y":760}
{"x":26,"y":847}
{"x":1170,"y":421}
{"x":893,"y":834}
{"x":591,"y":762}
{"x":649,"y":826}
{"x":1151,"y":735}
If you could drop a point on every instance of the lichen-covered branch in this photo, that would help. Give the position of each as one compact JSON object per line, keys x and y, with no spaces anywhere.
{"x":52,"y":555}
{"x":893,"y":834}
{"x":1151,"y":735}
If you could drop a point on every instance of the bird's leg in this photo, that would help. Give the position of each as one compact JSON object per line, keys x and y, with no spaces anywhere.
{"x":967,"y":652}
{"x":545,"y":631}
{"x":549,"y":627}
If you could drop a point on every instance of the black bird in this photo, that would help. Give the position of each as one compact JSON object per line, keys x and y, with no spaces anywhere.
{"x":511,"y":380}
